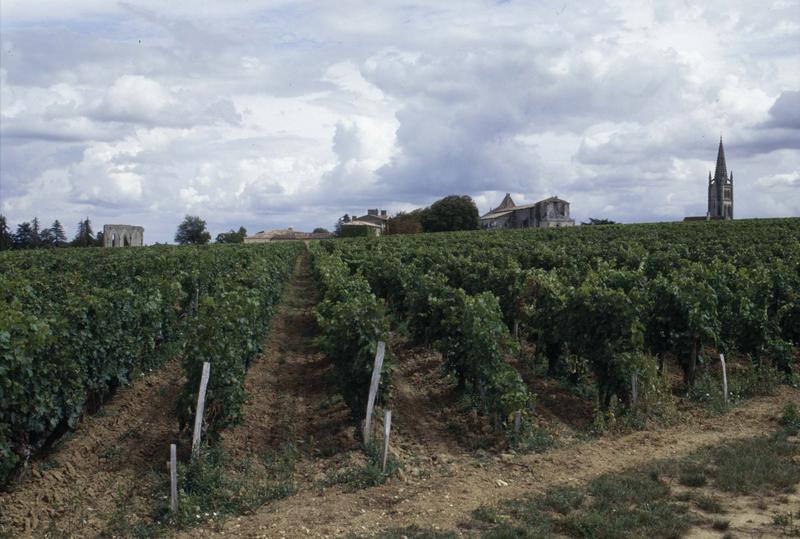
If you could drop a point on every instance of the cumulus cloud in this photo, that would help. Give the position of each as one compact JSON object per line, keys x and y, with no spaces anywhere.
{"x":271,"y":113}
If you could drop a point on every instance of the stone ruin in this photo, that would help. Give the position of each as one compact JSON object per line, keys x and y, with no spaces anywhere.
{"x":123,"y":236}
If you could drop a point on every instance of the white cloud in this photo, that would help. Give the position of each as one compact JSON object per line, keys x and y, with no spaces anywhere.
{"x":275,"y":113}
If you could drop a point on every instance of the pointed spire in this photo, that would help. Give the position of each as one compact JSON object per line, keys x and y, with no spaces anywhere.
{"x":721,"y":172}
{"x":507,"y":203}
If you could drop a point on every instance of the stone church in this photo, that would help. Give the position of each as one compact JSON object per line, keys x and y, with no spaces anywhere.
{"x":547,"y":213}
{"x":720,"y":189}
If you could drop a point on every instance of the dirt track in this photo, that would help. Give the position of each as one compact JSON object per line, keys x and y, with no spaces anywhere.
{"x":457,"y":486}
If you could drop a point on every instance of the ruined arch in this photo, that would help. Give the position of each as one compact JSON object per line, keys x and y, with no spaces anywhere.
{"x":123,"y":236}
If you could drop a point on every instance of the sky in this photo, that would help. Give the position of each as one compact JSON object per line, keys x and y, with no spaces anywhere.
{"x":275,"y":113}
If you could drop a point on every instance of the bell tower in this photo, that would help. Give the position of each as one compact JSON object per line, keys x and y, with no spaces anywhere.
{"x":720,"y":189}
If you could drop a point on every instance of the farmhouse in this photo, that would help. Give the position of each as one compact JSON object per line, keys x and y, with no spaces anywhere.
{"x":375,"y":217}
{"x":547,"y":213}
{"x":286,"y":234}
{"x":357,"y":227}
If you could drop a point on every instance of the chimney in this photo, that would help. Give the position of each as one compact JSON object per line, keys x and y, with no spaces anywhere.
{"x":372,"y":212}
{"x":383,"y":213}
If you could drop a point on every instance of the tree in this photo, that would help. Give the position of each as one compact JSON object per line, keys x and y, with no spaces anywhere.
{"x":36,"y":233}
{"x":6,"y":240}
{"x":100,"y":239}
{"x":58,"y":234}
{"x":451,"y":213}
{"x":232,"y":236}
{"x":24,"y":236}
{"x":192,"y":231}
{"x":405,"y":223}
{"x":320,"y":230}
{"x":337,"y":230}
{"x":46,"y":238}
{"x":84,"y":237}
{"x":593,"y":221}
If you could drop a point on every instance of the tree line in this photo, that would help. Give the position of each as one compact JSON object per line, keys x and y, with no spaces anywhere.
{"x":31,"y":235}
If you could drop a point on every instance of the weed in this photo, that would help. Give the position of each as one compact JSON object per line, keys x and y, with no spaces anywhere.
{"x":692,"y":475}
{"x":49,"y":464}
{"x":790,"y":418}
{"x":532,"y":439}
{"x":414,"y":532}
{"x":757,"y":465}
{"x":369,"y":475}
{"x":212,"y":486}
{"x":709,"y":504}
{"x":721,"y":525}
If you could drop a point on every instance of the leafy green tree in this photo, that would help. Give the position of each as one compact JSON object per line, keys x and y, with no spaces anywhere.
{"x":192,"y":231}
{"x":100,"y":239}
{"x":451,"y":213}
{"x":58,"y":234}
{"x":84,"y":237}
{"x":232,"y":236}
{"x":6,"y":240}
{"x":405,"y":223}
{"x":320,"y":230}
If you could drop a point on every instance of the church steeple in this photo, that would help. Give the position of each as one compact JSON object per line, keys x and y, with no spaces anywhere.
{"x":721,"y":173}
{"x":720,"y":189}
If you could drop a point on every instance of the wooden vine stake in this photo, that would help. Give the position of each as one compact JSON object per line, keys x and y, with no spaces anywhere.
{"x":173,"y":478}
{"x":634,"y":389}
{"x":724,"y":378}
{"x":387,"y":427}
{"x":516,"y":329}
{"x":373,"y":390}
{"x":517,"y":422}
{"x":201,"y":404}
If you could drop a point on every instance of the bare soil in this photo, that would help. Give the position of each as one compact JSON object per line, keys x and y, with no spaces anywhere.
{"x":111,"y":460}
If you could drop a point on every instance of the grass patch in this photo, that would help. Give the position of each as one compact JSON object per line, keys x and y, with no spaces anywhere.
{"x":412,"y":532}
{"x":760,"y":465}
{"x":532,"y":439}
{"x":640,"y":502}
{"x":631,"y":504}
{"x":213,"y":486}
{"x":721,"y":525}
{"x":790,"y":418}
{"x":709,"y":504}
{"x":370,"y":474}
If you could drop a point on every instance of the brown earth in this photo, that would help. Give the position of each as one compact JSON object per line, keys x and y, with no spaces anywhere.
{"x":452,"y":485}
{"x":452,"y":462}
{"x":112,"y":460}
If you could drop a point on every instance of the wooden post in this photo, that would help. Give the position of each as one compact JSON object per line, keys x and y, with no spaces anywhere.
{"x":373,"y":390}
{"x":634,"y":389}
{"x":516,"y":330}
{"x":724,"y":378}
{"x":201,"y":404}
{"x":517,"y":422}
{"x":173,"y":478}
{"x":387,"y":427}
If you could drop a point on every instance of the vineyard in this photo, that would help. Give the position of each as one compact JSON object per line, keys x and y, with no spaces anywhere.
{"x":605,"y":303}
{"x":77,"y":324}
{"x":492,"y":340}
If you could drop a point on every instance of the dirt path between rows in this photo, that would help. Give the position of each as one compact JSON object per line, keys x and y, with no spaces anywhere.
{"x":445,"y":498}
{"x":292,"y":394}
{"x":108,"y":462}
